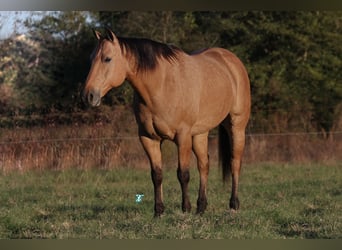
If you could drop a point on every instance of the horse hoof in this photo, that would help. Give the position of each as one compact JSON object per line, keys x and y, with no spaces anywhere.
{"x":157,"y":215}
{"x":186,"y":207}
{"x":201,"y":206}
{"x":234,"y":204}
{"x":158,"y":209}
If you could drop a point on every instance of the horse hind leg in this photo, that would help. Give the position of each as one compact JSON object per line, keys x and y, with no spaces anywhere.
{"x":235,"y":128}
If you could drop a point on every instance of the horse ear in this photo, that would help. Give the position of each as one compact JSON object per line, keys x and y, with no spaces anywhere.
{"x":97,"y":34}
{"x":110,"y":34}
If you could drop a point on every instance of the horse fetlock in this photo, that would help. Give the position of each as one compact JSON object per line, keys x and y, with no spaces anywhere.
{"x":158,"y":209}
{"x":234,"y":203}
{"x":201,"y":205}
{"x":186,"y":206}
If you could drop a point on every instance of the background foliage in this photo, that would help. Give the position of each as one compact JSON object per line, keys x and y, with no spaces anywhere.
{"x":293,"y":59}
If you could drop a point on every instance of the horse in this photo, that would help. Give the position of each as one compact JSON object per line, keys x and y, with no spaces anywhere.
{"x":178,"y":97}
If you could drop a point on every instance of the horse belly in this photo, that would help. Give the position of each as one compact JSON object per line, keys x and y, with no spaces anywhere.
{"x":207,"y":123}
{"x":216,"y":103}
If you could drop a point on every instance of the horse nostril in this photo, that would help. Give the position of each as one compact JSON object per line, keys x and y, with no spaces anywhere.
{"x":90,"y":97}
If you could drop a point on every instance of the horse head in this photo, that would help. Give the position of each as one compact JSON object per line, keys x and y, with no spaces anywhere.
{"x":108,"y":68}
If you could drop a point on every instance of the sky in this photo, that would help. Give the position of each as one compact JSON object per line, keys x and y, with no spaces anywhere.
{"x":12,"y":20}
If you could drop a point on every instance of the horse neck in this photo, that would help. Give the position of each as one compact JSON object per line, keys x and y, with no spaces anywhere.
{"x":146,"y":83}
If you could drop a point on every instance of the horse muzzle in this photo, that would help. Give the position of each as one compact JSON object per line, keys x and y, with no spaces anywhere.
{"x":93,"y":98}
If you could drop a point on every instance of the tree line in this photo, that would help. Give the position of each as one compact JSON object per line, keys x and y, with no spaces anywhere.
{"x":293,"y":60}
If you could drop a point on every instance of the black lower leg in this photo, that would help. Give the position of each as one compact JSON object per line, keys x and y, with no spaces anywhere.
{"x":234,"y":203}
{"x":184,"y":177}
{"x":157,"y":178}
{"x":201,"y":204}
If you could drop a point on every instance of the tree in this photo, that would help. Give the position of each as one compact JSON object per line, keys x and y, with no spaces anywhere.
{"x":64,"y":38}
{"x":294,"y":63}
{"x":293,"y":59}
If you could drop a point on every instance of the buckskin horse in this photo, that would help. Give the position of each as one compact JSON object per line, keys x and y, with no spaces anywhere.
{"x":179,"y":97}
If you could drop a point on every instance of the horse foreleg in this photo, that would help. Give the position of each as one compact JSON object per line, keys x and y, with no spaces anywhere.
{"x":184,"y":153}
{"x":200,"y":148}
{"x":152,"y":148}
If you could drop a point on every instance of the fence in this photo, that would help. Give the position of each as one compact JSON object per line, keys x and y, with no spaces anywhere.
{"x":96,"y":151}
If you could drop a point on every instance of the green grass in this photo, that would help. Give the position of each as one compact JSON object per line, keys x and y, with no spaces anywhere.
{"x":277,"y":201}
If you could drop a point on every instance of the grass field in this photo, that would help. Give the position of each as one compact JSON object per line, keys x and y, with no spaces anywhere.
{"x":277,"y":201}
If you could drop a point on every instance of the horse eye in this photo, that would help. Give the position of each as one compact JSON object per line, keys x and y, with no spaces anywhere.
{"x":107,"y":59}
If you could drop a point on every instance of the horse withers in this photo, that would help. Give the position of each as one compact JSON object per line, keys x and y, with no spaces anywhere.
{"x":179,"y":97}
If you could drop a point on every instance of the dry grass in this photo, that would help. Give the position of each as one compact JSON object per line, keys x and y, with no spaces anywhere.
{"x":294,"y":148}
{"x":67,"y":147}
{"x":114,"y":143}
{"x":99,"y":147}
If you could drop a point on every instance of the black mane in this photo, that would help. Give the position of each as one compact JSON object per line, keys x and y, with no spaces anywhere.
{"x":146,"y":51}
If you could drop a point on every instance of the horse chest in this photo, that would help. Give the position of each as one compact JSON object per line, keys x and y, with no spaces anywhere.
{"x":155,"y":126}
{"x":162,"y":128}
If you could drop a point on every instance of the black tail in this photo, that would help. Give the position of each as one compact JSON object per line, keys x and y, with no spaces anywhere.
{"x":225,"y":152}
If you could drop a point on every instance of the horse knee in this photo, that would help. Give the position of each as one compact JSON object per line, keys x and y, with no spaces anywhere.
{"x":183,"y":175}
